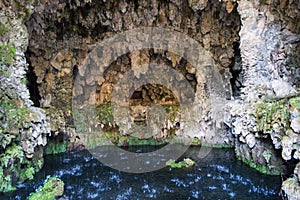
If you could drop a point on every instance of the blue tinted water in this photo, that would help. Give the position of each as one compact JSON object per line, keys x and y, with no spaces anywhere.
{"x":217,"y":176}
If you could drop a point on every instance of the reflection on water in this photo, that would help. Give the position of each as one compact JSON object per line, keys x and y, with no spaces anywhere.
{"x":217,"y":176}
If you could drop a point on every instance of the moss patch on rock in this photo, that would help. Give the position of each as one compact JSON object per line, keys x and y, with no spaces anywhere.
{"x":187,"y":162}
{"x":269,"y":113}
{"x":53,"y":187}
{"x":264,"y":169}
{"x":277,"y":112}
{"x":218,"y":146}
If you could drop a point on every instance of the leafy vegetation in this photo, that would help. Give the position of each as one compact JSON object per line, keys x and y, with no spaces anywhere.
{"x":15,"y":167}
{"x":269,"y":113}
{"x":15,"y":115}
{"x":56,"y":147}
{"x":53,"y":187}
{"x":14,"y":163}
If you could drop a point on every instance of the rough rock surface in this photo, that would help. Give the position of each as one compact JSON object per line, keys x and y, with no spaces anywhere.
{"x":23,"y":127}
{"x":62,"y":33}
{"x":265,"y":120}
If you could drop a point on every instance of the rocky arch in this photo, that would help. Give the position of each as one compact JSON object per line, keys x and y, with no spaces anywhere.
{"x":62,"y":36}
{"x":93,"y":67}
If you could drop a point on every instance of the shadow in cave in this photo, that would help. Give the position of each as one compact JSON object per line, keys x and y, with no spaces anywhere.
{"x":32,"y":84}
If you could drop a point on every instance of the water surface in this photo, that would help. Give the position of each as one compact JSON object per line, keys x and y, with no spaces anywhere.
{"x":217,"y":176}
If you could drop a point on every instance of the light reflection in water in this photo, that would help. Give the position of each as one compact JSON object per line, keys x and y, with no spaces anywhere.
{"x":217,"y":176}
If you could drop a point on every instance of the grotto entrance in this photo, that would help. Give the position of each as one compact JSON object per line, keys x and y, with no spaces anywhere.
{"x":62,"y":34}
{"x":147,"y":96}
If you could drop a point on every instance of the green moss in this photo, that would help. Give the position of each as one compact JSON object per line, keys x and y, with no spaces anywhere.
{"x":187,"y":162}
{"x":96,"y":140}
{"x":134,"y":141}
{"x":218,"y":146}
{"x":53,"y":187}
{"x":264,"y":169}
{"x":295,"y":103}
{"x":269,"y":113}
{"x":173,"y":112}
{"x":7,"y":54}
{"x":15,"y":115}
{"x":23,"y":81}
{"x":3,"y":29}
{"x":104,"y":113}
{"x":196,"y":142}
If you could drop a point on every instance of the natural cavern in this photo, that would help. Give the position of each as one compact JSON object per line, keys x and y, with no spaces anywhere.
{"x":224,"y":74}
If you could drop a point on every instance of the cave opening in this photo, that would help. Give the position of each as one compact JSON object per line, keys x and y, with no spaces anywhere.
{"x":32,"y":84}
{"x":60,"y":40}
{"x":236,"y":71}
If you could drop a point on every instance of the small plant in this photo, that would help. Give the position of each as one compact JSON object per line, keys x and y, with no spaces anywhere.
{"x":28,"y":173}
{"x":23,"y":81}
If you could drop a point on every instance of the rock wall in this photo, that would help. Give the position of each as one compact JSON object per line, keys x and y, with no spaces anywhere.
{"x":265,"y":122}
{"x":23,"y":127}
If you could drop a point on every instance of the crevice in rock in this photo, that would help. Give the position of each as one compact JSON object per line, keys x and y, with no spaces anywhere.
{"x":32,"y":83}
{"x":289,"y":167}
{"x":236,"y":71}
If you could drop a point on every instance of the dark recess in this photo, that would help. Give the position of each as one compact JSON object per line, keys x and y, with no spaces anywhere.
{"x":236,"y":71}
{"x":32,"y":83}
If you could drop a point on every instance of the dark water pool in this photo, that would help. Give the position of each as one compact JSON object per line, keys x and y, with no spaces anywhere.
{"x":217,"y":176}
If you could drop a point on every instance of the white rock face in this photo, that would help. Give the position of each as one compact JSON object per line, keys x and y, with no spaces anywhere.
{"x":287,"y":144}
{"x":295,"y":122}
{"x":37,"y":127}
{"x":250,"y":140}
{"x":282,"y":88}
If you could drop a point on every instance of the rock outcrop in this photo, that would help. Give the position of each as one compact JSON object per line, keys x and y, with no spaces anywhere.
{"x":264,"y":121}
{"x":23,"y":127}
